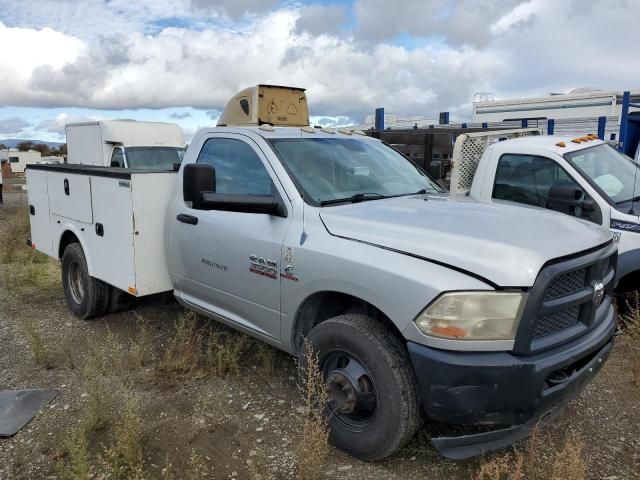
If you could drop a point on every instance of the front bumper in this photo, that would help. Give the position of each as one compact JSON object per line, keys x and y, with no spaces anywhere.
{"x":503,"y":389}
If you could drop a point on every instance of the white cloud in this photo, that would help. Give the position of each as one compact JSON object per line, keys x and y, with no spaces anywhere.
{"x":321,"y":19}
{"x":122,"y":54}
{"x":179,"y":67}
{"x":460,"y":22}
{"x":13,"y":126}
{"x":56,"y":125}
{"x":23,"y":48}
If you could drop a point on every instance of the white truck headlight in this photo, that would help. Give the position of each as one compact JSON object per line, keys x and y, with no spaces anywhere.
{"x":473,"y":316}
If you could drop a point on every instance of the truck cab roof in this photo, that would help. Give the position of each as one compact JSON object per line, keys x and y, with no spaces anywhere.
{"x":267,"y":132}
{"x":553,"y":143}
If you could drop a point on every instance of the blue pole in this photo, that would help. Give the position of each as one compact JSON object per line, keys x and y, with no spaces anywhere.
{"x":464,"y":125}
{"x":602,"y":123}
{"x":525,"y":123}
{"x":624,"y":117}
{"x":551,"y":125}
{"x":379,"y":119}
{"x":485,"y":125}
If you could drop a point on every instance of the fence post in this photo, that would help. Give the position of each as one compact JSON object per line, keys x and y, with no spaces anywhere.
{"x":525,"y":123}
{"x":379,"y":119}
{"x":444,"y":118}
{"x":624,"y":117}
{"x":602,"y":123}
{"x":485,"y":125}
{"x":464,"y":125}
{"x":551,"y":125}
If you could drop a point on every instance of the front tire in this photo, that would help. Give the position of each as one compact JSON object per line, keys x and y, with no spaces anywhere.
{"x":86,"y":296}
{"x":373,"y":405}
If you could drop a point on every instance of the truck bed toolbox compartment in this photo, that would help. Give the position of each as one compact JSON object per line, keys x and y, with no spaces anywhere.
{"x":117,"y":214}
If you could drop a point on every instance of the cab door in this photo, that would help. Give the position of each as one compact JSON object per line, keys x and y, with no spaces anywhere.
{"x":541,"y":182}
{"x":228,"y":263}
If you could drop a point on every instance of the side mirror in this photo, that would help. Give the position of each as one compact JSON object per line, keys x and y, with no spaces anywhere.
{"x":232,"y":202}
{"x":436,"y":169}
{"x":196,"y":179}
{"x":566,"y":197}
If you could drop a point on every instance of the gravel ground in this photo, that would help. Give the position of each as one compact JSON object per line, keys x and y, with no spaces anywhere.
{"x":243,"y":425}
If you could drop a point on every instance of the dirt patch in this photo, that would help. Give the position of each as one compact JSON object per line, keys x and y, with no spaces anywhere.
{"x":231,"y":409}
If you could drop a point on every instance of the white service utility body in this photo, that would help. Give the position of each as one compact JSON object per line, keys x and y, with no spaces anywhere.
{"x":125,"y":143}
{"x":117,"y":213}
{"x":583,"y":177}
{"x":416,"y":303}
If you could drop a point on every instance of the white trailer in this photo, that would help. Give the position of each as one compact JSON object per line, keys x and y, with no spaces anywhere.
{"x":575,"y":113}
{"x":125,"y":143}
{"x":20,"y":160}
{"x":118,"y":212}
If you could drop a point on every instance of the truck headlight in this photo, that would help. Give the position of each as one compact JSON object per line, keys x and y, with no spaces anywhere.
{"x":473,"y":316}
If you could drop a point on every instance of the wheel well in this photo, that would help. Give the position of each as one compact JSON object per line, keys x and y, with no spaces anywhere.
{"x":322,"y":306}
{"x":629,"y":282}
{"x":67,"y":239}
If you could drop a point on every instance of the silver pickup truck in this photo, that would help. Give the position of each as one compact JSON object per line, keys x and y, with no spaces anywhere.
{"x":418,"y":304}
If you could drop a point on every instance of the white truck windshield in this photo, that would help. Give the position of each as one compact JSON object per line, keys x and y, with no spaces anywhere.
{"x":615,"y":174}
{"x":153,"y":158}
{"x":328,"y":170}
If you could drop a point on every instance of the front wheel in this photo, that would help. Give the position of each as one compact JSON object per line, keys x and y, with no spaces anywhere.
{"x":86,"y":296}
{"x":372,"y":403}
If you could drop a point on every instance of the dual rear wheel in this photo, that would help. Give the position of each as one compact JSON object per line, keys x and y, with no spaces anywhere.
{"x":86,"y":296}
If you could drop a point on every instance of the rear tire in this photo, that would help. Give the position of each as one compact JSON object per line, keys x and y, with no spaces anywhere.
{"x":119,"y":300}
{"x":86,"y":296}
{"x":362,"y":359}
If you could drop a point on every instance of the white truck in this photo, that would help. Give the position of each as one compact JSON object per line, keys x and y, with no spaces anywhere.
{"x":125,"y":143}
{"x":417,"y":304}
{"x":583,"y":177}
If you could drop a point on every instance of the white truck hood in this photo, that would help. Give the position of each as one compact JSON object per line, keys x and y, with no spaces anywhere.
{"x":507,"y":245}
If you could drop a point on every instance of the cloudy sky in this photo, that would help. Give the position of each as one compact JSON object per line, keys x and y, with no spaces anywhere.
{"x":180,"y":60}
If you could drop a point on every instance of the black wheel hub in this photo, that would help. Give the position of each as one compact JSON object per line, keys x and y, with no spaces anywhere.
{"x":351,"y":393}
{"x":340,"y":392}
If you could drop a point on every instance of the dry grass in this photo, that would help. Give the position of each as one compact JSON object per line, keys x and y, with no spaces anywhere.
{"x":501,"y":467}
{"x":312,"y":448}
{"x":41,"y":354}
{"x":13,"y":236}
{"x":200,"y":348}
{"x":123,"y":459}
{"x":74,"y":463}
{"x":30,"y":273}
{"x":182,"y":354}
{"x":630,"y":323}
{"x":47,"y":355}
{"x":566,"y":463}
{"x":225,"y":350}
{"x":569,"y":464}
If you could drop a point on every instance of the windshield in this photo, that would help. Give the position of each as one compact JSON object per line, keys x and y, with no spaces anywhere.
{"x":153,"y":158}
{"x":615,"y":174}
{"x":326,"y":170}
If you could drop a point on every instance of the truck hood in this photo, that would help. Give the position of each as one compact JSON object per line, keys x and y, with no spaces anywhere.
{"x":506,"y":245}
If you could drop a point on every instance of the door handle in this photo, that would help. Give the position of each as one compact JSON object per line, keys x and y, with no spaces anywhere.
{"x":190,"y":219}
